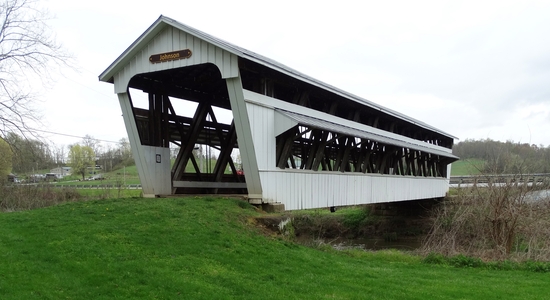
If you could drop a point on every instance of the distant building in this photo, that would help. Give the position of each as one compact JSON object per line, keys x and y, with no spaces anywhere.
{"x":51,"y":177}
{"x":37,"y":177}
{"x":61,"y":171}
{"x":12,"y":178}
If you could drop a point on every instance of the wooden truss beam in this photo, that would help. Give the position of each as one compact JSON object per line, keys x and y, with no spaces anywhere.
{"x":321,"y":149}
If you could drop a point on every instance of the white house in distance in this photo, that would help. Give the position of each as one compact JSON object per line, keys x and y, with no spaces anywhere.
{"x":61,"y":171}
{"x":303,"y":143}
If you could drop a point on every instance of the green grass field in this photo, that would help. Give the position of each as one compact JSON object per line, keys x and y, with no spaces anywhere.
{"x":207,"y":248}
{"x":126,"y":176}
{"x":108,"y":193}
{"x":467,"y":167}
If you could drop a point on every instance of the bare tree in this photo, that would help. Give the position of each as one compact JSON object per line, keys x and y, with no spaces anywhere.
{"x":28,"y":52}
{"x":59,"y":154}
{"x":125,"y":149}
{"x":93,"y":143}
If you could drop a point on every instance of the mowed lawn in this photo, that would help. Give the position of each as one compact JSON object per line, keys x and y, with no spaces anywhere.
{"x":208,"y":248}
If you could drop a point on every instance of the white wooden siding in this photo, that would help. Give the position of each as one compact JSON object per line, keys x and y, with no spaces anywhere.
{"x":155,"y":177}
{"x":299,"y":189}
{"x":262,"y":127}
{"x":159,"y":173}
{"x":304,"y":189}
{"x":135,"y":143}
{"x":172,"y":39}
{"x":244,"y":136}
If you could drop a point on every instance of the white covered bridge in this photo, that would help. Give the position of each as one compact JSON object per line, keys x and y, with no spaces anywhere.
{"x":302,"y":143}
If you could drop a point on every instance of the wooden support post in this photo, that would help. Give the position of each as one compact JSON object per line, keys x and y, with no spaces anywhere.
{"x":225,"y":154}
{"x":151,"y":121}
{"x":320,"y":153}
{"x":371,"y":159}
{"x":196,"y":166}
{"x":315,"y":139}
{"x":413,"y":162}
{"x":177,"y":120}
{"x":188,"y":142}
{"x":340,"y":154}
{"x":344,"y":166}
{"x":356,"y":156}
{"x":424,"y":166}
{"x":284,"y":147}
{"x":401,"y":161}
{"x":364,"y":156}
{"x":384,"y":161}
{"x":157,"y":111}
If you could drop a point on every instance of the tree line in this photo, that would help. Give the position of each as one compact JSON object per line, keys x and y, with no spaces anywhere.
{"x":23,"y":155}
{"x":505,"y":157}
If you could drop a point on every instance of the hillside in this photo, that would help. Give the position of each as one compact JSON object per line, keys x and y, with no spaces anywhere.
{"x":464,"y":167}
{"x":207,"y":248}
{"x":504,"y":157}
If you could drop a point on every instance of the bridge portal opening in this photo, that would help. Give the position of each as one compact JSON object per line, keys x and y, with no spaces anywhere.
{"x":188,"y":110}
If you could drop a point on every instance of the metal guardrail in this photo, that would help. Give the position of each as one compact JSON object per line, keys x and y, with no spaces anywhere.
{"x":502,"y":178}
{"x":98,"y":186}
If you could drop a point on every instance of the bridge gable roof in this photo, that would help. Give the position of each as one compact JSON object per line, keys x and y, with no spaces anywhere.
{"x":162,"y":22}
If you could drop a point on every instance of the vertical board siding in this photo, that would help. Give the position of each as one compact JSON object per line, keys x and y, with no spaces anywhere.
{"x":303,"y":190}
{"x":172,"y":39}
{"x":135,"y":143}
{"x":241,"y":117}
{"x":262,"y":125}
{"x":159,"y":173}
{"x":309,"y":189}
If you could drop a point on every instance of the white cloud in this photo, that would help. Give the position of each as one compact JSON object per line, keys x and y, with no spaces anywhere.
{"x":475,"y":69}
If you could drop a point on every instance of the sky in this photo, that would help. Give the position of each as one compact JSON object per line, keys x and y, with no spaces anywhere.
{"x":474,"y":69}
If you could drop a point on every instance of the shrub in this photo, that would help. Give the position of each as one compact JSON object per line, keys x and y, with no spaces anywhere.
{"x":25,"y":197}
{"x":435,"y":258}
{"x":537,"y":266}
{"x":492,"y":222}
{"x":465,"y":261}
{"x":355,"y":218}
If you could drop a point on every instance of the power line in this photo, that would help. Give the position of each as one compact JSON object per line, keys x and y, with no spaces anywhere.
{"x":74,"y":136}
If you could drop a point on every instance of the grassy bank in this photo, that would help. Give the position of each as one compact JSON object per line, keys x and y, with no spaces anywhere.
{"x":108,"y":193}
{"x":27,"y":197}
{"x":206,"y":248}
